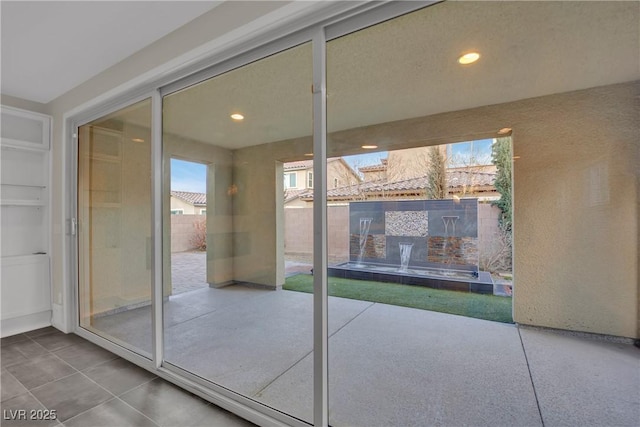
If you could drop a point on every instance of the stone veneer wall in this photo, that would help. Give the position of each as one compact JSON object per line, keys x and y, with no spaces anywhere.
{"x":421,"y":223}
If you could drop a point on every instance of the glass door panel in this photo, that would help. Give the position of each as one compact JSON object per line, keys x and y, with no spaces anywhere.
{"x":404,"y":231}
{"x":114,"y":224}
{"x":245,"y":323}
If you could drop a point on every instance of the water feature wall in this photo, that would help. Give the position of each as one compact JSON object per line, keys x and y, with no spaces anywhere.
{"x":441,"y":234}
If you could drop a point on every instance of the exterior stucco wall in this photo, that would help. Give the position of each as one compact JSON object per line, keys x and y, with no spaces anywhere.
{"x":219,"y":206}
{"x":183,"y":232}
{"x":575,"y":199}
{"x":187,"y":208}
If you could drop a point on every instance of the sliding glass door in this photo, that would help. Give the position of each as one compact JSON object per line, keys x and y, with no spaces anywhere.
{"x":232,"y":324}
{"x":114,"y":227}
{"x":407,"y":229}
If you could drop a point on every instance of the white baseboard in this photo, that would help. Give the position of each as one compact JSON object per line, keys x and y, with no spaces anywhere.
{"x":18,"y":325}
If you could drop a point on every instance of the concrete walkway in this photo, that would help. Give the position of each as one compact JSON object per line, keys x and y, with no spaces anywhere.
{"x":393,"y":366}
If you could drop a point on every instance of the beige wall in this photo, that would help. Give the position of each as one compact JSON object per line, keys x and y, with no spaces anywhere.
{"x":298,"y":232}
{"x":575,"y":199}
{"x":219,"y":206}
{"x":183,"y":231}
{"x":187,"y":208}
{"x":116,"y":202}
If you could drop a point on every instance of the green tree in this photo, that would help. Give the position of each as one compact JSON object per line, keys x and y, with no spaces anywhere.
{"x":502,"y":157}
{"x":436,"y":175}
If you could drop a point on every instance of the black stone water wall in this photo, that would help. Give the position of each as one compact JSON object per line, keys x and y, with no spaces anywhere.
{"x":419,"y":222}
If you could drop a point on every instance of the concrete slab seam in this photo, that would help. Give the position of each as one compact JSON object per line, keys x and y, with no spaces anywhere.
{"x":535,"y":393}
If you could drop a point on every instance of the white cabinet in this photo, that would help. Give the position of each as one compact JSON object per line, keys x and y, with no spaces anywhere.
{"x":25,"y":203}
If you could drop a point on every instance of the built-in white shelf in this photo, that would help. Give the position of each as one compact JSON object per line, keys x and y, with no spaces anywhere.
{"x":23,"y":203}
{"x":24,"y":199}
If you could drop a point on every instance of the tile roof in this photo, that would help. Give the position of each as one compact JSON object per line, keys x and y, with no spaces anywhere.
{"x":382,"y":166}
{"x":455,"y":180}
{"x":190,"y":197}
{"x":304,"y":164}
{"x":292,"y":194}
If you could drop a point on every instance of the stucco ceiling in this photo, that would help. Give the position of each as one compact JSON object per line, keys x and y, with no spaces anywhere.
{"x":407,"y":68}
{"x":49,"y":47}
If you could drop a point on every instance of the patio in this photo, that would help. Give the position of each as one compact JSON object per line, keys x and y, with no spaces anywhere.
{"x":392,"y":365}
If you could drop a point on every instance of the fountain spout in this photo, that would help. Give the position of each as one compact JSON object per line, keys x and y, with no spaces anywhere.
{"x":365,"y":223}
{"x":405,"y":256}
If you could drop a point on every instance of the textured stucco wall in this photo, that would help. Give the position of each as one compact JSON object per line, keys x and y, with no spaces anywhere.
{"x":187,"y":208}
{"x":219,"y":218}
{"x":575,"y":198}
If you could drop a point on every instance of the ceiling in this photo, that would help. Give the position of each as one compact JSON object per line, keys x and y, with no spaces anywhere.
{"x":50,"y":47}
{"x":407,"y":68}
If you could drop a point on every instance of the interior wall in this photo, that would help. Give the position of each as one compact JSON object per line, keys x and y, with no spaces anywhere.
{"x":575,"y":198}
{"x":12,"y":101}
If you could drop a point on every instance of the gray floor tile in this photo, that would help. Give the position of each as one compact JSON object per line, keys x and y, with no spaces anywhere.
{"x":29,"y":348}
{"x":170,"y":406}
{"x":13,"y":338}
{"x":41,"y":331}
{"x":110,"y":414}
{"x":119,"y":376}
{"x":581,"y":381}
{"x":40,"y":370}
{"x":10,"y":386}
{"x":13,"y":415}
{"x":57,"y":340}
{"x":84,"y":355}
{"x":71,"y":395}
{"x":11,"y":356}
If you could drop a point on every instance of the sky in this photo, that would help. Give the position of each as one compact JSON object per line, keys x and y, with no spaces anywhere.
{"x":188,"y":176}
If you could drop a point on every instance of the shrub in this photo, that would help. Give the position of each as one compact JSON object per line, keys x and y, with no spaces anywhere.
{"x":199,"y":238}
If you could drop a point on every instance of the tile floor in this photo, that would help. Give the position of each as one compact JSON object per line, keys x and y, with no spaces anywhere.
{"x":88,"y":386}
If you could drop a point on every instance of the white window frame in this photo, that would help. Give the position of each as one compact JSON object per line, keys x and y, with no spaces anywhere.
{"x":177,"y":211}
{"x":288,"y":177}
{"x":309,"y":179}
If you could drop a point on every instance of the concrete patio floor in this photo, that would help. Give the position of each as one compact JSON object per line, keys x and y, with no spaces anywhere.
{"x":392,"y":366}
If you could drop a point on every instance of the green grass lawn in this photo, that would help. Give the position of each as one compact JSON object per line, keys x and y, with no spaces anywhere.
{"x":486,"y":307}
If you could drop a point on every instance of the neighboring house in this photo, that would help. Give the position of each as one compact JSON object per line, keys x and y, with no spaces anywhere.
{"x":461,"y":184}
{"x":412,"y":162}
{"x":298,"y":179}
{"x":402,"y":176}
{"x":188,"y":203}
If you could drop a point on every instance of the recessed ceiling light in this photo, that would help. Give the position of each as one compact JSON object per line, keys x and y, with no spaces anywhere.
{"x":369,"y":147}
{"x":138,"y":140}
{"x":237,"y":116}
{"x":504,"y":131}
{"x":469,"y":58}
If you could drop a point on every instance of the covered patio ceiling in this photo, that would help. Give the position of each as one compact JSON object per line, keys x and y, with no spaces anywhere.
{"x":408,"y":68}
